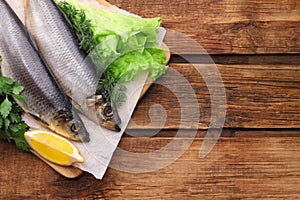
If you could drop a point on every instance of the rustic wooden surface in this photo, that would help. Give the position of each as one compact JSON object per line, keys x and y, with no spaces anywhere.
{"x":227,"y":26}
{"x":256,"y":45}
{"x":258,"y":96}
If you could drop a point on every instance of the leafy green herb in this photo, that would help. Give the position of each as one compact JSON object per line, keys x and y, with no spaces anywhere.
{"x":82,"y":27}
{"x":121,"y":46}
{"x":126,"y":44}
{"x":12,"y":128}
{"x":116,"y":90}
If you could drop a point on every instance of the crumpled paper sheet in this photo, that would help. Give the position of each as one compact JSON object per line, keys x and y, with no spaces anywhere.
{"x":98,"y":152}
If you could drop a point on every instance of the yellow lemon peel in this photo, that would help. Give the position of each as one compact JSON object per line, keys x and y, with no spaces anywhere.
{"x":53,"y":147}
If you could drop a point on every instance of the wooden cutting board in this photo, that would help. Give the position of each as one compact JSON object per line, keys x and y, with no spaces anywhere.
{"x":73,"y":172}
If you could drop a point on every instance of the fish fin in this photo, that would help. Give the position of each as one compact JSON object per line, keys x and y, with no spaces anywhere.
{"x":38,"y":119}
{"x":22,"y":105}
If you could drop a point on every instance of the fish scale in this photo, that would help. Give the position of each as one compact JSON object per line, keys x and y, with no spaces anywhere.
{"x":74,"y":71}
{"x":22,"y":63}
{"x":30,"y":68}
{"x":59,"y":46}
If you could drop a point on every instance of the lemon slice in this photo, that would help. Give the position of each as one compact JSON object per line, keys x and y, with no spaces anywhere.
{"x":53,"y":147}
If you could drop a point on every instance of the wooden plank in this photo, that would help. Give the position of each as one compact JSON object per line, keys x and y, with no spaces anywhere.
{"x":226,"y":132}
{"x":237,"y":168}
{"x":227,"y":26}
{"x":262,"y":133}
{"x":66,"y":171}
{"x":234,"y":59}
{"x":258,"y":96}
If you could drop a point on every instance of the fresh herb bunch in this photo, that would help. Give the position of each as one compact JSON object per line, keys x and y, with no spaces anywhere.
{"x":116,"y":90}
{"x":81,"y":25}
{"x":12,"y":128}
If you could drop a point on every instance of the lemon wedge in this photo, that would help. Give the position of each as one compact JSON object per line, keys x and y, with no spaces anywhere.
{"x":53,"y":147}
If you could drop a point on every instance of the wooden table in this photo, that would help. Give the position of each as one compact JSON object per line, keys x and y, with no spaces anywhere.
{"x":256,"y":46}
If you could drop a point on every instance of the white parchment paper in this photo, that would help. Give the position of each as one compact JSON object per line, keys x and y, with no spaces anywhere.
{"x":98,"y":152}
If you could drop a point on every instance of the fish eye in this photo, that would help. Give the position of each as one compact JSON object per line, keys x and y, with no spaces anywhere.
{"x":75,"y":128}
{"x":108,"y":111}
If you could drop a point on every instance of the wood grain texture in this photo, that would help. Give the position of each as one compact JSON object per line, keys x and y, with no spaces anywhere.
{"x":258,"y":96}
{"x":257,"y":156}
{"x":66,"y":171}
{"x":237,"y":168}
{"x":226,"y":26}
{"x":235,"y":59}
{"x":226,"y":132}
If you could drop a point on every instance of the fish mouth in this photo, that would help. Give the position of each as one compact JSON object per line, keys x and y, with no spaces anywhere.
{"x":111,"y":126}
{"x":108,"y":117}
{"x":106,"y":114}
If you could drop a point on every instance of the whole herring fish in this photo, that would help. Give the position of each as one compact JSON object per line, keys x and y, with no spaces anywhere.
{"x":22,"y":62}
{"x":70,"y":66}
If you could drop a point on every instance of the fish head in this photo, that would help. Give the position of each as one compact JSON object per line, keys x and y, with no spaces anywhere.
{"x":76,"y":128}
{"x":108,"y":117}
{"x":70,"y":126}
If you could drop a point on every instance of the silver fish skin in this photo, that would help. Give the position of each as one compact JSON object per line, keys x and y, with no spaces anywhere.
{"x":70,"y":66}
{"x":22,"y":62}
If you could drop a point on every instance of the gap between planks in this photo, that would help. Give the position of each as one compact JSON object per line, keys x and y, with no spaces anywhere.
{"x":237,"y":59}
{"x":236,"y":168}
{"x":225,"y":133}
{"x":257,"y":96}
{"x":226,"y":27}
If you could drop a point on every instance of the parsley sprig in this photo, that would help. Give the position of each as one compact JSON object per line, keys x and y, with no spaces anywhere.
{"x":12,"y":128}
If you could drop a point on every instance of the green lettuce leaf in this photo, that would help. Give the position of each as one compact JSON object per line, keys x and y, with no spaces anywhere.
{"x":126,"y":44}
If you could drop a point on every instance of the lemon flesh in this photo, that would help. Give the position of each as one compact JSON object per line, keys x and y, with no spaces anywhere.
{"x":52,"y":147}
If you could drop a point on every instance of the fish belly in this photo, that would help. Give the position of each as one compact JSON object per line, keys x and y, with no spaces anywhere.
{"x":58,"y":45}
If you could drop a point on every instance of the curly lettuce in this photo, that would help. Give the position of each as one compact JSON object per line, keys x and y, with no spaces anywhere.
{"x":125,"y":44}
